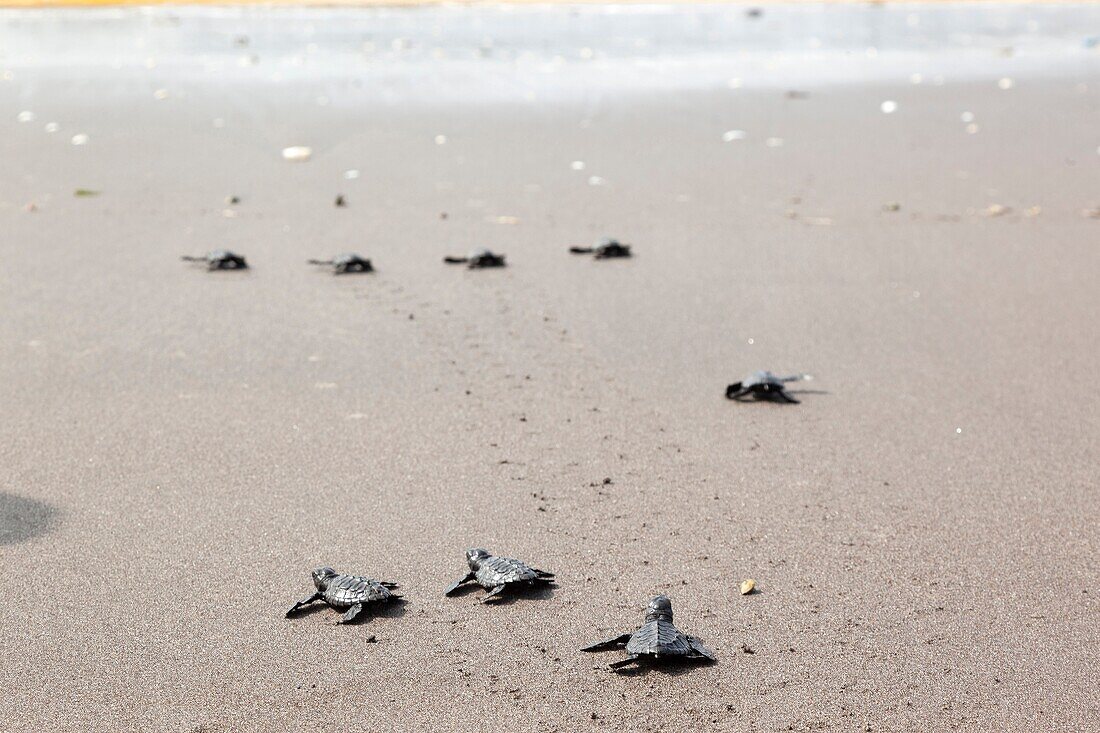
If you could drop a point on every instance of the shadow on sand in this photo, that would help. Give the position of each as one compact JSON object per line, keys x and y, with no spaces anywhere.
{"x":539,"y":592}
{"x":22,"y":519}
{"x":392,"y":609}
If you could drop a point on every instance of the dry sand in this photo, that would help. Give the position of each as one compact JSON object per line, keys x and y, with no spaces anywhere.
{"x":179,"y":448}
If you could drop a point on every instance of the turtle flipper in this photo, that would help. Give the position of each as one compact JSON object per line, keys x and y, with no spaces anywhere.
{"x":543,"y":574}
{"x":624,"y":665}
{"x":351,"y":614}
{"x":304,"y":602}
{"x":461,"y":581}
{"x":782,"y":396}
{"x":495,"y":591}
{"x":318,"y":262}
{"x":735,"y":391}
{"x":582,"y":250}
{"x":700,"y":649}
{"x":388,"y":584}
{"x":191,"y":258}
{"x":456,"y":260}
{"x":613,"y":643}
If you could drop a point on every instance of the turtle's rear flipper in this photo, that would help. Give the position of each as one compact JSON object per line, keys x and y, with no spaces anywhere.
{"x":352,"y":614}
{"x":582,"y":250}
{"x":494,"y":592}
{"x":701,"y":650}
{"x":304,"y":602}
{"x":456,"y":260}
{"x":613,"y":643}
{"x":624,"y":666}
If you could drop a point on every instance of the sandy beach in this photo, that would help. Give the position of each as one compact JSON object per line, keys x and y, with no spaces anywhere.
{"x":180,"y":448}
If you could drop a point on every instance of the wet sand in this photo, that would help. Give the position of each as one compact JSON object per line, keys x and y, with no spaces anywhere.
{"x":179,"y":448}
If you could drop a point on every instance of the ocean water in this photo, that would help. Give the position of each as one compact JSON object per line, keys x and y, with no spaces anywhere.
{"x":534,"y":53}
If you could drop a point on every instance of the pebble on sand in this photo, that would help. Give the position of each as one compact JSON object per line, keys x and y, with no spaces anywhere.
{"x":26,"y":116}
{"x":577,"y":165}
{"x":80,"y":139}
{"x":889,"y":107}
{"x":747,"y":586}
{"x":730,"y":135}
{"x":1006,"y":83}
{"x":297,"y":153}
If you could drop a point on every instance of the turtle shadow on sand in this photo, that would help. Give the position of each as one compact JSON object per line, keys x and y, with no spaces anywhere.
{"x":393,"y":608}
{"x":516,"y":592}
{"x":671,"y":668}
{"x":22,"y":519}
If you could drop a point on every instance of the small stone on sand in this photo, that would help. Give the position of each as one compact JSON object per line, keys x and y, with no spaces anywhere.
{"x":297,"y":153}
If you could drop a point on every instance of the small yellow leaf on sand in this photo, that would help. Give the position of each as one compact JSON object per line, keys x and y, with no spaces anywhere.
{"x":747,"y":586}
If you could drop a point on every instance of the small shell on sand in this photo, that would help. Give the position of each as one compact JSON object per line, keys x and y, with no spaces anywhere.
{"x":748,"y":586}
{"x":297,"y":153}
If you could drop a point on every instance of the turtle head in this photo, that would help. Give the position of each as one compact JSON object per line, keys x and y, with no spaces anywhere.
{"x":322,"y":577}
{"x":475,"y":556}
{"x":659,"y":608}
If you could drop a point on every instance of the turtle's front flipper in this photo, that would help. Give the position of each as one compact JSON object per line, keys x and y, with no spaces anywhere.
{"x":793,"y":378}
{"x":388,"y":584}
{"x":624,"y":665}
{"x":782,"y":396}
{"x":543,"y":574}
{"x":582,"y":250}
{"x":700,"y":649}
{"x":735,"y":391}
{"x":305,"y":602}
{"x":613,"y":643}
{"x":461,"y":581}
{"x":318,"y":262}
{"x":352,"y":613}
{"x":496,"y":590}
{"x":189,"y":258}
{"x":456,"y":260}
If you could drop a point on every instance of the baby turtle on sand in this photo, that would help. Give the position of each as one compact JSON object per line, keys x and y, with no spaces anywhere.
{"x":763,"y":386}
{"x":494,"y":574}
{"x":220,"y":259}
{"x":477,"y":259}
{"x":342,"y":264}
{"x":349,"y":593}
{"x":657,"y":641}
{"x":605,"y":249}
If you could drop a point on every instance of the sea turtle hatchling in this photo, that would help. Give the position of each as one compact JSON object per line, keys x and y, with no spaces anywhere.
{"x":477,"y":259}
{"x":346,"y":263}
{"x":763,"y":386}
{"x":605,"y":249}
{"x":349,"y":593}
{"x":494,"y":574}
{"x":657,"y":641}
{"x":219,"y":259}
